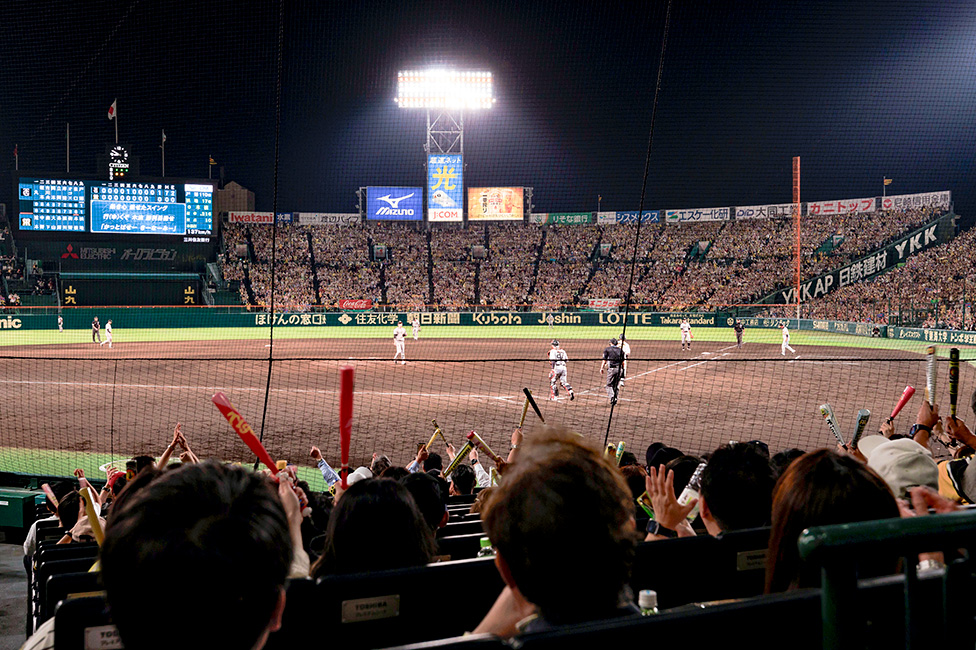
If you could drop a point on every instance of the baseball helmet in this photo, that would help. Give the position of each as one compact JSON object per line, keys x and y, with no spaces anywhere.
{"x":613,"y":341}
{"x":555,"y":344}
{"x":623,"y":338}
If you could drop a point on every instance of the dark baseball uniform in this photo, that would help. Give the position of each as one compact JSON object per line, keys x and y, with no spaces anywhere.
{"x":96,"y":336}
{"x":614,"y":357}
{"x":738,"y":333}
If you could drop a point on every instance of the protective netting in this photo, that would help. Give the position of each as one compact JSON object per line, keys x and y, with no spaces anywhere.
{"x":93,"y":411}
{"x":293,"y":103}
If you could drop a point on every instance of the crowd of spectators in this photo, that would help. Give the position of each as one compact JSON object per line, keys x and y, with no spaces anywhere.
{"x":506,"y":275}
{"x":930,"y":290}
{"x":406,"y":265}
{"x":452,"y":266}
{"x":565,"y":265}
{"x":241,"y":534}
{"x":342,"y":266}
{"x":702,"y":265}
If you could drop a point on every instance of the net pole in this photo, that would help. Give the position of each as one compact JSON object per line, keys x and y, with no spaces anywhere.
{"x":274,"y":218}
{"x":640,"y":208}
{"x":796,"y":214}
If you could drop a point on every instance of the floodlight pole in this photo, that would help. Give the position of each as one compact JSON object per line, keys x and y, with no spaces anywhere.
{"x":445,"y":132}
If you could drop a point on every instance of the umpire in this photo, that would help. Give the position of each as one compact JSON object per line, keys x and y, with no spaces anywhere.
{"x":613,"y":359}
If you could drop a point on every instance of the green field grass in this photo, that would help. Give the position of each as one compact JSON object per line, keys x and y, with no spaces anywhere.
{"x":52,"y":462}
{"x":542,"y":332}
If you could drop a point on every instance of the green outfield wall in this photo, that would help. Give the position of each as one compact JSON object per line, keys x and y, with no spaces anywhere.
{"x":235,"y":317}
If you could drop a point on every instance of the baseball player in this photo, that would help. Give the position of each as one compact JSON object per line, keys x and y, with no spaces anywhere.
{"x":416,"y":328}
{"x":625,"y":348}
{"x":550,"y":320}
{"x":108,"y":333}
{"x":686,"y":335}
{"x":557,"y":361}
{"x":60,"y":323}
{"x":738,"y":327}
{"x":398,"y":335}
{"x":96,"y":331}
{"x":613,"y":359}
{"x":786,"y":340}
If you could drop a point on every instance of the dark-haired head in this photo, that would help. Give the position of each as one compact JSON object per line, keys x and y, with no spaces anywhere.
{"x":221,"y":524}
{"x":69,"y":509}
{"x":737,"y":488}
{"x":376,"y":525}
{"x":432,"y":501}
{"x":463,"y":480}
{"x":561,"y":489}
{"x":433,"y":462}
{"x":820,"y":488}
{"x":395,"y":473}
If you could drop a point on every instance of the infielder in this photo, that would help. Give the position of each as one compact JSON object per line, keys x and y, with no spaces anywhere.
{"x":686,"y":335}
{"x":625,"y":348}
{"x":738,"y":327}
{"x":60,"y":323}
{"x":416,"y":328}
{"x":398,"y":335}
{"x":96,"y":331}
{"x":613,"y":359}
{"x":108,"y":333}
{"x":786,"y":341}
{"x":557,"y":361}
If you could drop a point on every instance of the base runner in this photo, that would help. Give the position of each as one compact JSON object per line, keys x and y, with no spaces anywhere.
{"x":786,"y":341}
{"x":557,"y":375}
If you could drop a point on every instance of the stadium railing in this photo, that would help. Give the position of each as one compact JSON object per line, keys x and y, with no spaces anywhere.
{"x":837,"y":549}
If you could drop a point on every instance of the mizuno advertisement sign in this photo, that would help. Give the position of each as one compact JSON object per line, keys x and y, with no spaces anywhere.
{"x":395,"y":203}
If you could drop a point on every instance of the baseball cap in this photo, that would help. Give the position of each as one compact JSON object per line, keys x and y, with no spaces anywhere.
{"x":555,"y":344}
{"x":623,"y":338}
{"x":360,"y":474}
{"x":613,"y":341}
{"x":902,"y":463}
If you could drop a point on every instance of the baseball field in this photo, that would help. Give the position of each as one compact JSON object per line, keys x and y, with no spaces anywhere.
{"x":71,"y":403}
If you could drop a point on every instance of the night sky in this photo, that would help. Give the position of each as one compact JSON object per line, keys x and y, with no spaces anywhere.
{"x":859,"y":90}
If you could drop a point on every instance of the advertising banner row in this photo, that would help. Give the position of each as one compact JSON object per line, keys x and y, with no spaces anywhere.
{"x":445,"y":204}
{"x":932,"y":234}
{"x":136,"y":318}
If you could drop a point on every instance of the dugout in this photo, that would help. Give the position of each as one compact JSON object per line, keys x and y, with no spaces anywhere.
{"x":131,"y":289}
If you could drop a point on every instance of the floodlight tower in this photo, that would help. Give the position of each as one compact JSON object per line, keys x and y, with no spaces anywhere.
{"x":445,"y":94}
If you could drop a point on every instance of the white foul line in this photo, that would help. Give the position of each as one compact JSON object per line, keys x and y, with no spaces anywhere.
{"x":92,"y":384}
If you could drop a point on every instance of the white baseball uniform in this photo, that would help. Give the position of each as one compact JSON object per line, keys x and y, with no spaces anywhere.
{"x":625,"y":348}
{"x":558,"y":374}
{"x":786,"y":342}
{"x":416,"y":328}
{"x":108,"y":334}
{"x":398,"y":336}
{"x":685,"y":335}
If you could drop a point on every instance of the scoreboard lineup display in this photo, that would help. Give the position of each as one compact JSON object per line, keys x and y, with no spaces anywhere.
{"x":148,"y":208}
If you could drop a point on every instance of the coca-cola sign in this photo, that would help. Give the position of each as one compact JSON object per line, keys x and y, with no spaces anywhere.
{"x":359,"y":303}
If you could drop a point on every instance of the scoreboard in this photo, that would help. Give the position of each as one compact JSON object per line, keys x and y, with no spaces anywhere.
{"x":151,"y":207}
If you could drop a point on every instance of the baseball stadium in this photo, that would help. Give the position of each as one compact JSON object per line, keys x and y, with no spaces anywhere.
{"x":621,"y":266}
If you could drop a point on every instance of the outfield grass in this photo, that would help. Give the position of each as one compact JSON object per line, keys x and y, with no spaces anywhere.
{"x":529,"y":332}
{"x":53,"y":462}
